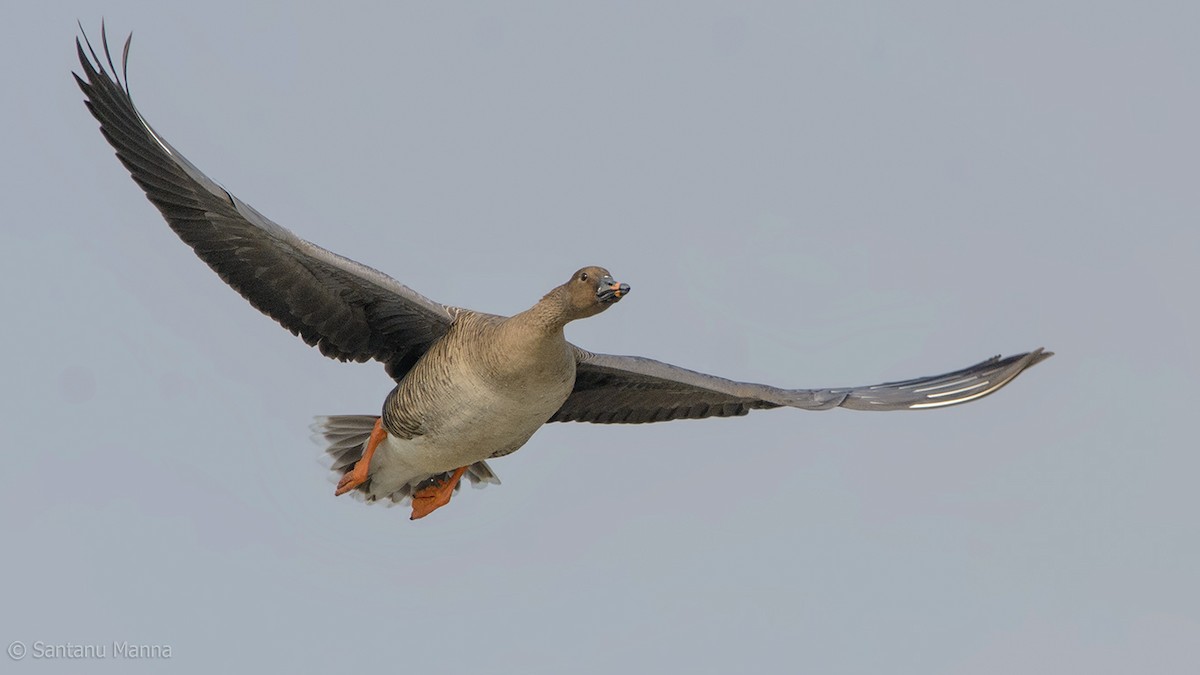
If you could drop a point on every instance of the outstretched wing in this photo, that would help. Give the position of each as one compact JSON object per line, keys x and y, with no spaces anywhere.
{"x":349,"y":311}
{"x":633,"y":390}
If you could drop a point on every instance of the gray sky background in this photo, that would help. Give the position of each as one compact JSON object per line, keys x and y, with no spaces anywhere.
{"x":816,"y":194}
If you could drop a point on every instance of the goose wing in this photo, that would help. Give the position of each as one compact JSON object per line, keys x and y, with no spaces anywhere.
{"x":632,"y":390}
{"x":349,"y":311}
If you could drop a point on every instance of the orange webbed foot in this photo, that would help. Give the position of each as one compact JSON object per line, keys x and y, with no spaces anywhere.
{"x":351,"y":480}
{"x":358,"y":475}
{"x":433,"y":497}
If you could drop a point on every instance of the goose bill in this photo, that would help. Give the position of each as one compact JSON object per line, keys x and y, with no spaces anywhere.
{"x":611,"y":291}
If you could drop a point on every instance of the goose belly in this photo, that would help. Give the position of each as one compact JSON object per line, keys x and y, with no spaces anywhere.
{"x":477,"y":421}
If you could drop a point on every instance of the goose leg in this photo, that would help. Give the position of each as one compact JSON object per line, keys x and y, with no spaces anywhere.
{"x":432,"y":497}
{"x":358,"y":475}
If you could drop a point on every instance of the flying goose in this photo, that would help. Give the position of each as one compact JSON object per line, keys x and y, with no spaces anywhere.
{"x":470,"y":386}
